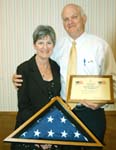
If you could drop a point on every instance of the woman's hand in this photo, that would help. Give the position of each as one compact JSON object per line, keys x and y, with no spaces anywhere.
{"x":44,"y":146}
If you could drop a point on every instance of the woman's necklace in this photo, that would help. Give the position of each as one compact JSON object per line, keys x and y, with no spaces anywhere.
{"x":45,"y":69}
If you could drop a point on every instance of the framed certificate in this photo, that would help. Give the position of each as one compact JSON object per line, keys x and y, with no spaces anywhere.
{"x":95,"y":88}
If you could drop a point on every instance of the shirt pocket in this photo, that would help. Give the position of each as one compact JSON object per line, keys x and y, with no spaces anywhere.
{"x":91,"y":66}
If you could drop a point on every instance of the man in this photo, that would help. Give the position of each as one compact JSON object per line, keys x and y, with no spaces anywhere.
{"x":94,"y":57}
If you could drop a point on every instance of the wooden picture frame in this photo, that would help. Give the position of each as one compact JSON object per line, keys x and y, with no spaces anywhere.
{"x":98,"y":89}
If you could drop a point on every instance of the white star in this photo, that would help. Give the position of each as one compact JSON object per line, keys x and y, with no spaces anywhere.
{"x":73,"y":125}
{"x":85,"y":138}
{"x":77,"y":134}
{"x":50,"y":133}
{"x":64,"y":134}
{"x":63,"y":120}
{"x":38,"y":120}
{"x":36,"y":133}
{"x":50,"y":119}
{"x":24,"y":134}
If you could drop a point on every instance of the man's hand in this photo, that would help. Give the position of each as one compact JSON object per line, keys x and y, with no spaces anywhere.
{"x":90,"y":104}
{"x":17,"y":80}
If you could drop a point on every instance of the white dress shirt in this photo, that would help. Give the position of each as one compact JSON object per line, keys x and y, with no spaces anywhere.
{"x":94,"y":57}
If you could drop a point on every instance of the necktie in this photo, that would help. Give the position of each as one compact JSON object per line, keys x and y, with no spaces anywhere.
{"x":72,"y":62}
{"x":72,"y":69}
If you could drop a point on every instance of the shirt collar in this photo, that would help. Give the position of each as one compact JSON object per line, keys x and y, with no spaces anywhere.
{"x":79,"y":39}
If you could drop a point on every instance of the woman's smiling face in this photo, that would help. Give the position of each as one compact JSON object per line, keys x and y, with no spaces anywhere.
{"x":44,"y":47}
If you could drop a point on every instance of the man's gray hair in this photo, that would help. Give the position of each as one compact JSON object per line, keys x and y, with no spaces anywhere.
{"x":76,"y":6}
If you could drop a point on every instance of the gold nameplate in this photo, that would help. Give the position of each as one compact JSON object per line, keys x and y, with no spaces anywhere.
{"x":98,"y":89}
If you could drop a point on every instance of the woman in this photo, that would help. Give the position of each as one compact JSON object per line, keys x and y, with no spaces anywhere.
{"x":41,"y":80}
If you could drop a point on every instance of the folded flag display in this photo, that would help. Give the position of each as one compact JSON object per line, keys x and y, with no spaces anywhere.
{"x":55,"y":123}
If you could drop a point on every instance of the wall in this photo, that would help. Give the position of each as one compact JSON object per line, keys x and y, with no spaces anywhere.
{"x":18,"y":19}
